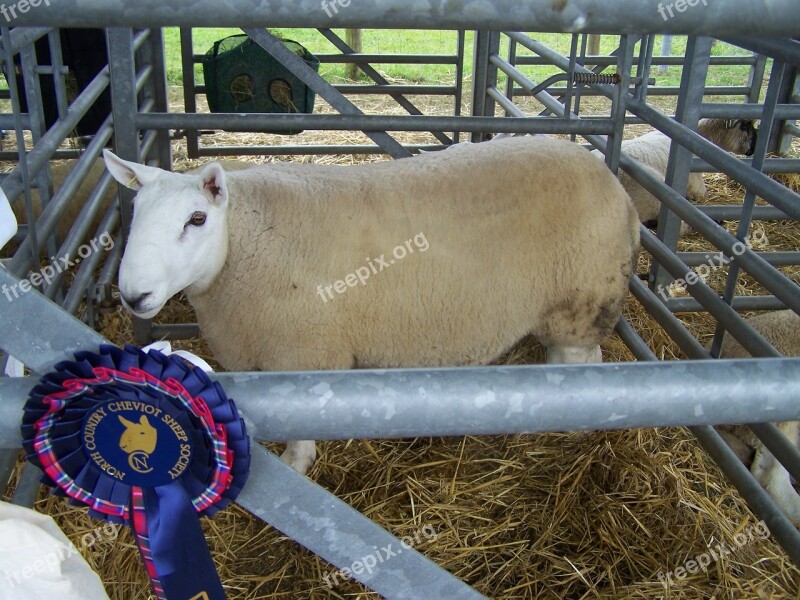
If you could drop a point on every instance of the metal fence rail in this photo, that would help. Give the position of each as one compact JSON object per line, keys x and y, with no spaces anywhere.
{"x":729,"y":17}
{"x":380,"y":86}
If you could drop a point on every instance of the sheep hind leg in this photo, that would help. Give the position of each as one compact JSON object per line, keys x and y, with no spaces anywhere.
{"x":300,"y":455}
{"x":559,"y":354}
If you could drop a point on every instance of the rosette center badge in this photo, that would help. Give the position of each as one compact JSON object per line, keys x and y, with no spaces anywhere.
{"x":137,"y":443}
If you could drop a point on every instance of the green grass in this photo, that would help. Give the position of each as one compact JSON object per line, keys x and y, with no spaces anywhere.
{"x":440,"y":42}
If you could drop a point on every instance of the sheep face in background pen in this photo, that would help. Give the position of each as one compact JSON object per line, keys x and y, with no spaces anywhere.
{"x":652,"y":150}
{"x":252,"y":250}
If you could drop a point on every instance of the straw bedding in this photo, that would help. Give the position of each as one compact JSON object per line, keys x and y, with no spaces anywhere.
{"x":561,"y":515}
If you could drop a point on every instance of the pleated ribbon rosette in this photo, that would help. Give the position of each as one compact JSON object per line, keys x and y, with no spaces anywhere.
{"x":147,"y":440}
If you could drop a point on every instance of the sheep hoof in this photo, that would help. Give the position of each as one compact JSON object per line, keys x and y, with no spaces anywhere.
{"x":300,"y":455}
{"x":574,"y":354}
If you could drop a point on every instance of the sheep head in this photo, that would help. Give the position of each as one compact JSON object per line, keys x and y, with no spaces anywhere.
{"x":178,"y":238}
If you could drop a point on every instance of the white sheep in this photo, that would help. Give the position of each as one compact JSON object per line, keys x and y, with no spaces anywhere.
{"x":532,"y":236}
{"x":652,"y":151}
{"x":782,"y":330}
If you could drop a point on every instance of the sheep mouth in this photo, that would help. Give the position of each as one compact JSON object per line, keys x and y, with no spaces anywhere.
{"x":143,"y":312}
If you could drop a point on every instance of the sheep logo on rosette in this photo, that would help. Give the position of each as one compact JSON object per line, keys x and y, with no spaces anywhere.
{"x":137,"y":443}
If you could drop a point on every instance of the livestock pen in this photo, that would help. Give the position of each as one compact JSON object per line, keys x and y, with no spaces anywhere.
{"x":514,"y":515}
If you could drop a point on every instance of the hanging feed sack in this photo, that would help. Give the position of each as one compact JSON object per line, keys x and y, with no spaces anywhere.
{"x":240,"y":76}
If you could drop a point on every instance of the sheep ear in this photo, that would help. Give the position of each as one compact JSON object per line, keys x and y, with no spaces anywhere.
{"x":214,"y":184}
{"x":130,"y":174}
{"x":124,"y":421}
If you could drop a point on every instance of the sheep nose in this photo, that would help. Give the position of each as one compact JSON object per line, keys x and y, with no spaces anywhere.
{"x":134,"y":303}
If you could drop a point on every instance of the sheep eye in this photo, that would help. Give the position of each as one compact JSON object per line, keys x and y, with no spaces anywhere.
{"x":197,"y":219}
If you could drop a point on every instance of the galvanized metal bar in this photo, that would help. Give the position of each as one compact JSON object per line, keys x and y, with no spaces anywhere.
{"x":311,"y":149}
{"x":484,"y":76}
{"x":732,"y":17}
{"x":607,"y":61}
{"x":785,"y":50}
{"x":776,"y":258}
{"x":618,"y":101}
{"x":459,"y":95}
{"x":160,"y":94}
{"x":747,"y":111}
{"x":756,"y":78}
{"x":722,"y":90}
{"x":188,"y":58}
{"x":740,"y":304}
{"x":776,"y":82}
{"x":307,"y":75}
{"x":770,"y":165}
{"x":388,"y":89}
{"x":371,"y":123}
{"x":401,"y":403}
{"x":341,"y":535}
{"x":386,"y":59}
{"x":24,"y":36}
{"x":687,"y":112}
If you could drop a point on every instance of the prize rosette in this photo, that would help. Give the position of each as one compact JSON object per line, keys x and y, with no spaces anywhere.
{"x":147,"y":440}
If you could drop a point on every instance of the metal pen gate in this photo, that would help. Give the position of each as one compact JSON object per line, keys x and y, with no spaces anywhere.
{"x":645,"y":394}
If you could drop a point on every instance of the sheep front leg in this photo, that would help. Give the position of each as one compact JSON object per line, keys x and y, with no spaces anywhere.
{"x":775,"y":478}
{"x":558,"y":354}
{"x":300,"y":455}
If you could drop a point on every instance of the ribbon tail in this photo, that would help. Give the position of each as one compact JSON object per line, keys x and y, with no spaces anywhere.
{"x":172,"y":544}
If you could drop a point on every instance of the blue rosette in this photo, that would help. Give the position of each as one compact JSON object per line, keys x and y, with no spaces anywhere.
{"x":147,"y":440}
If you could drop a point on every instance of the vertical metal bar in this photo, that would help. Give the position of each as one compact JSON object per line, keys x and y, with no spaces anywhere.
{"x":666,"y":50}
{"x":643,"y":67}
{"x":573,"y":57}
{"x":783,"y":136}
{"x":693,"y":78}
{"x":618,"y":101}
{"x":122,"y":70}
{"x":756,"y":78}
{"x":158,"y":78}
{"x":459,"y":96}
{"x":512,"y":60}
{"x":484,"y":76}
{"x":189,"y":90}
{"x":776,"y":86}
{"x":579,"y":88}
{"x":59,"y":70}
